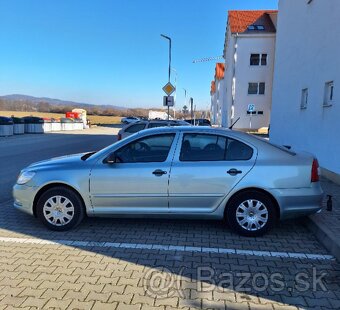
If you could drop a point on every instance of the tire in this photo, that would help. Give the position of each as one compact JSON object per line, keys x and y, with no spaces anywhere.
{"x":65,"y":204}
{"x":251,"y":213}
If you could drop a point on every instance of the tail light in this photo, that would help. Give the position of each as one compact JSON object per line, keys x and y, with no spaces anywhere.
{"x":315,"y":171}
{"x":119,"y":137}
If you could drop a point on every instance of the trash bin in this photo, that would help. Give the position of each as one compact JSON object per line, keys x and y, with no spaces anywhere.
{"x":55,"y":124}
{"x":47,"y":125}
{"x":6,"y":126}
{"x":18,"y":126}
{"x":33,"y":124}
{"x":67,"y":124}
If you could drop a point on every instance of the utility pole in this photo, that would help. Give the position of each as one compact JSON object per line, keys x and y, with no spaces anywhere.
{"x":191,"y":107}
{"x":169,"y":39}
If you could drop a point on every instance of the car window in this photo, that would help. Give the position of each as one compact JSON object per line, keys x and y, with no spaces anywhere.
{"x":135,"y":128}
{"x":207,"y":147}
{"x":145,"y":150}
{"x":237,"y":150}
{"x":153,"y":125}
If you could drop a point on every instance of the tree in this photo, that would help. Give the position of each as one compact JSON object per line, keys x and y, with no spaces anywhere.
{"x":185,"y":109}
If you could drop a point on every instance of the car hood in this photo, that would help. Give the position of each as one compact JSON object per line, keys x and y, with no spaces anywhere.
{"x":57,"y":161}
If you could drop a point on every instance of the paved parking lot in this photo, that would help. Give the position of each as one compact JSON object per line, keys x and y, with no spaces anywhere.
{"x":154,"y":264}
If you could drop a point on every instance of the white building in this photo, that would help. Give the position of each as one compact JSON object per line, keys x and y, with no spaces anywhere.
{"x":249,"y":51}
{"x":217,"y":92}
{"x":306,"y":93}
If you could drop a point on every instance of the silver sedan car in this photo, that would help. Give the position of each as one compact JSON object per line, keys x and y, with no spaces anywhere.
{"x":181,"y":172}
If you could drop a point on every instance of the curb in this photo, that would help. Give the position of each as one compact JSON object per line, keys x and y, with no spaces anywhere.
{"x":324,"y":235}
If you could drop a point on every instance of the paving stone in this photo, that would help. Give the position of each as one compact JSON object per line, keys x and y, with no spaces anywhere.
{"x":76,"y":304}
{"x":34,"y":302}
{"x":122,"y":306}
{"x":95,"y":296}
{"x":13,"y":301}
{"x":98,"y":305}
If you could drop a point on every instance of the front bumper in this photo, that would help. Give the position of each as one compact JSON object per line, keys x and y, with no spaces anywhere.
{"x":23,"y":197}
{"x":299,"y":201}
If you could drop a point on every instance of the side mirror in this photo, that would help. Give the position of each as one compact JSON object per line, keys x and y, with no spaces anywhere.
{"x":111,"y":159}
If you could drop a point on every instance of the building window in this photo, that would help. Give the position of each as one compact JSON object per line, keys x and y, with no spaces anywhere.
{"x":262,"y":87}
{"x":304,"y":98}
{"x":255,"y":59}
{"x":256,"y":88}
{"x":255,"y":27}
{"x":258,"y":59}
{"x":329,"y":94}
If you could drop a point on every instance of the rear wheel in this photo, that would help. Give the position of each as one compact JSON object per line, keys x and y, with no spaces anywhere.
{"x":60,"y":209}
{"x":251,"y":213}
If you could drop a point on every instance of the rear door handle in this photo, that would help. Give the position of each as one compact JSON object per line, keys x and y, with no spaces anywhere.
{"x":159,"y":172}
{"x":234,"y":171}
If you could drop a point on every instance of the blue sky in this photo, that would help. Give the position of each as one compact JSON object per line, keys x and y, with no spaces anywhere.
{"x":110,"y":51}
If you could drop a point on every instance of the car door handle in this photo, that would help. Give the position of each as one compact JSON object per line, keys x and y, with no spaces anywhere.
{"x":159,"y":172}
{"x":234,"y":171}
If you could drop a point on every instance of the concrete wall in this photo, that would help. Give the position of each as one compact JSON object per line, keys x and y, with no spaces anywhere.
{"x":244,"y":74}
{"x":307,"y":56}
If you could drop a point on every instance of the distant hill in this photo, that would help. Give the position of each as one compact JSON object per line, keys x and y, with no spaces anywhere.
{"x":56,"y":102}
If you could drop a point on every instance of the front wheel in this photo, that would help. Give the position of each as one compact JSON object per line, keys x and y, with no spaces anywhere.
{"x":60,"y":209}
{"x":251,"y":213}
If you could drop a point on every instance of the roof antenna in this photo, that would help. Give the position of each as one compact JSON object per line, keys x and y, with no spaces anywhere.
{"x":232,"y":125}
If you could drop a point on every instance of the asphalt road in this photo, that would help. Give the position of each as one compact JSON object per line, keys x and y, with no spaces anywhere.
{"x":17,"y":152}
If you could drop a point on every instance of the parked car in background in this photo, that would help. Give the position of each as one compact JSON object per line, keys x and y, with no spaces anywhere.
{"x":140,"y":125}
{"x":199,"y":122}
{"x":129,"y":120}
{"x":180,"y":172}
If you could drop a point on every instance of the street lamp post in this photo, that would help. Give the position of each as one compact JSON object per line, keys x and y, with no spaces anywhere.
{"x":169,"y":39}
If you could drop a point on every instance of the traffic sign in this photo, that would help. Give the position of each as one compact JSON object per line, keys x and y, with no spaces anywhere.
{"x":168,"y":101}
{"x":169,"y":88}
{"x":251,"y":107}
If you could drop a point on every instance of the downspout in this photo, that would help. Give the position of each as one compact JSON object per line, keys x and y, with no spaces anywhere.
{"x":233,"y":91}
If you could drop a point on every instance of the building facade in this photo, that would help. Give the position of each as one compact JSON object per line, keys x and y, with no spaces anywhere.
{"x":249,"y":52}
{"x":306,"y":91}
{"x":217,"y":92}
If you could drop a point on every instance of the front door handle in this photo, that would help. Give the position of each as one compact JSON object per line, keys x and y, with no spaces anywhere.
{"x":234,"y":171}
{"x":159,"y":172}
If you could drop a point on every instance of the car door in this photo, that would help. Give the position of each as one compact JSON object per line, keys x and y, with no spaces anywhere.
{"x":205,"y":168}
{"x":134,"y":178}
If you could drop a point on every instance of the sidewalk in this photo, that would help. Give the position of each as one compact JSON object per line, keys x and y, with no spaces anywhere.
{"x":326,"y":225}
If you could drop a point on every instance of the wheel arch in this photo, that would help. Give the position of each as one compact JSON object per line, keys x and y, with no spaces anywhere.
{"x":259,"y":190}
{"x":51,"y":185}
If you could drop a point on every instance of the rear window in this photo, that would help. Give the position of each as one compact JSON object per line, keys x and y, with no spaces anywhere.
{"x":135,"y":128}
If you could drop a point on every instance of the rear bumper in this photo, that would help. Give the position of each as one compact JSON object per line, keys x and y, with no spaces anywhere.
{"x":299,"y":201}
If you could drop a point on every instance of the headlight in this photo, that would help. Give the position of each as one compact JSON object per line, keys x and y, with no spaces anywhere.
{"x":25,"y":176}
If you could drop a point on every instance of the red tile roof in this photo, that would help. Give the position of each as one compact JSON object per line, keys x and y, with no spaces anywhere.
{"x":219,"y":71}
{"x":213,"y":87}
{"x":240,"y":20}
